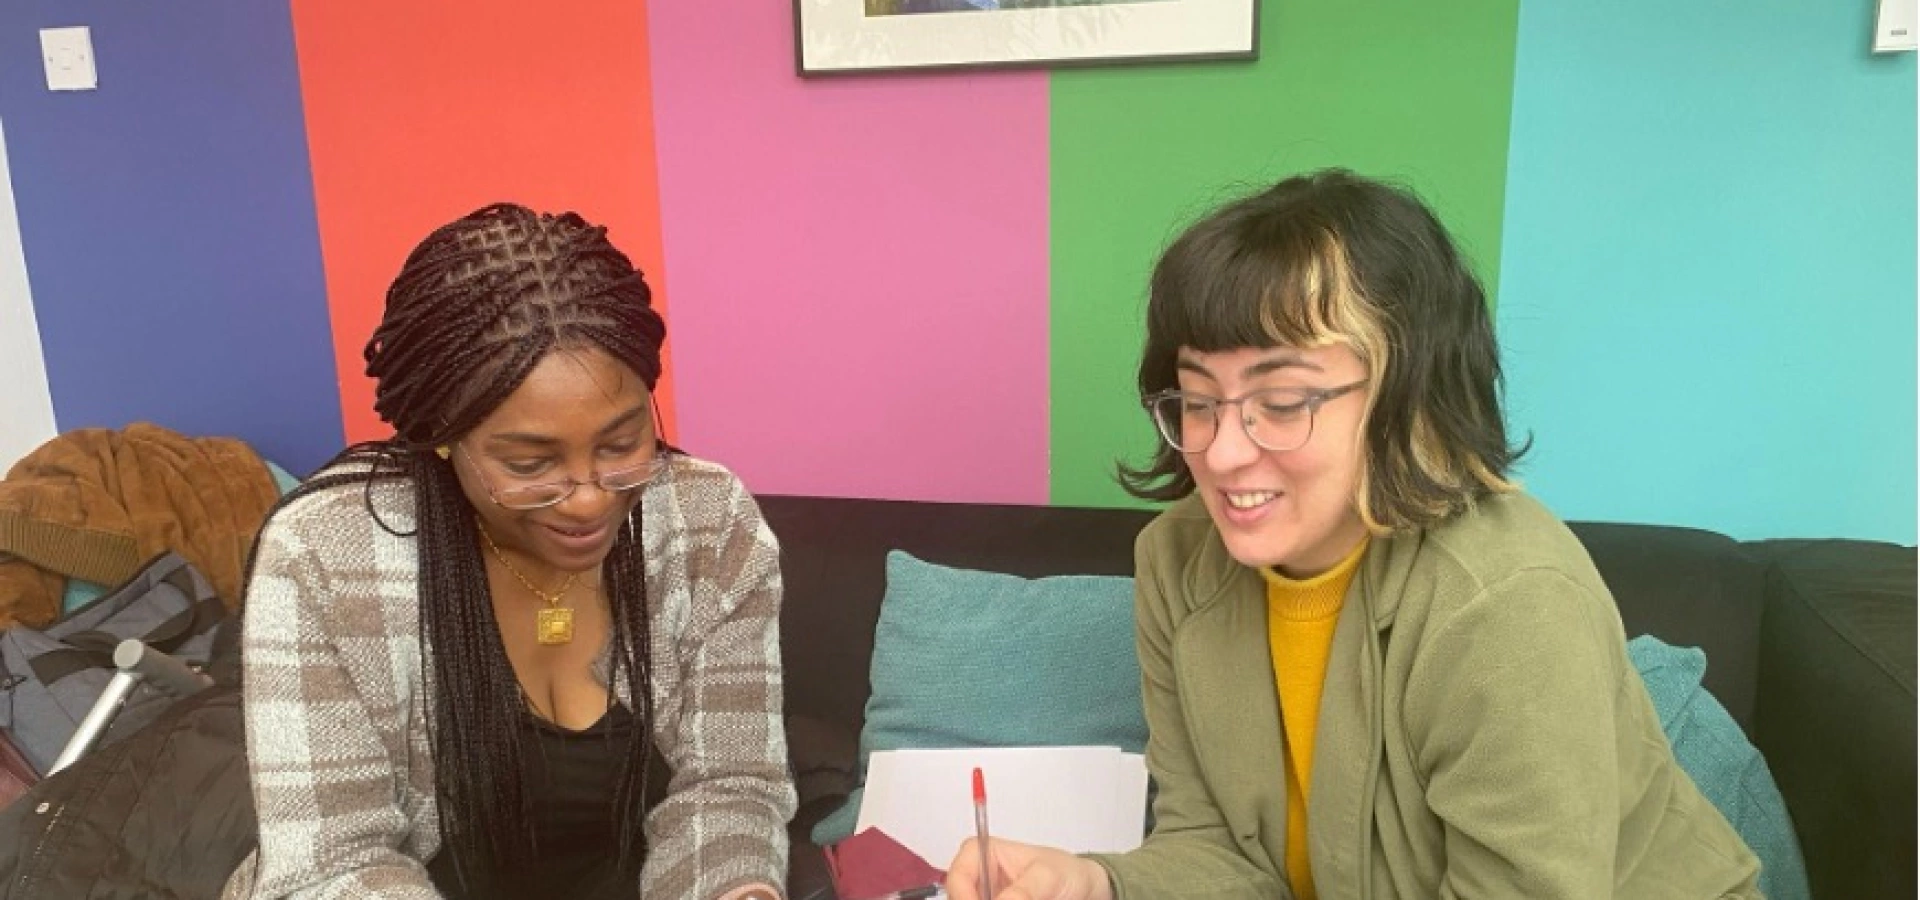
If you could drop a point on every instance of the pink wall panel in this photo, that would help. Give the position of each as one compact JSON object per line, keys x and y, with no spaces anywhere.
{"x":858,"y":265}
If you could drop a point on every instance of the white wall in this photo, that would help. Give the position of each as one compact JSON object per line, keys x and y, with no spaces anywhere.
{"x":26,"y":406}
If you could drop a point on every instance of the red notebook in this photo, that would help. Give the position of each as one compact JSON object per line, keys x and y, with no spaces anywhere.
{"x":871,"y":864}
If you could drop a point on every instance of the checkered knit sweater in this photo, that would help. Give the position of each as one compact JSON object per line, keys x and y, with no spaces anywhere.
{"x":336,"y":710}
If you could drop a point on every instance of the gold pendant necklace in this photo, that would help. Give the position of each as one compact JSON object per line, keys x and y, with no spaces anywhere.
{"x":553,"y":625}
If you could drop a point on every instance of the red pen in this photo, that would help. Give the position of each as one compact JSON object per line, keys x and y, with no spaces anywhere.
{"x":980,"y":829}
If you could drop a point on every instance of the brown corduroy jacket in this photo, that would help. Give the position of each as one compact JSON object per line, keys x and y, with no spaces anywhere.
{"x":98,"y":504}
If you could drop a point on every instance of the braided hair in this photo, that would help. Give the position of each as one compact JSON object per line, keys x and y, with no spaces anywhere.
{"x":476,"y":306}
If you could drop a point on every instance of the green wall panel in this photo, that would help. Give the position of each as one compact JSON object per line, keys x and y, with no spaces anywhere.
{"x":1417,"y":92}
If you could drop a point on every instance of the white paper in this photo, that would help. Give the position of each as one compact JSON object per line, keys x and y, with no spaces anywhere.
{"x":1129,"y":830}
{"x":1080,"y":799}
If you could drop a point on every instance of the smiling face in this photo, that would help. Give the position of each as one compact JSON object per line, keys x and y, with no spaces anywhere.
{"x":579,"y":413}
{"x":1293,"y":510}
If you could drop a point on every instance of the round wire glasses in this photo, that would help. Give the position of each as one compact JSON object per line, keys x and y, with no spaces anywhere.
{"x":550,"y":493}
{"x":1276,"y":419}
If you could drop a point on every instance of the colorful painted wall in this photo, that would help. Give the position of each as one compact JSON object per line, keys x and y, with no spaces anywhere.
{"x":167,"y":224}
{"x":1708,"y":281}
{"x":1700,"y":228}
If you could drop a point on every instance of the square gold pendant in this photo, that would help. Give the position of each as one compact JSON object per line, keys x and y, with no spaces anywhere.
{"x":555,"y":625}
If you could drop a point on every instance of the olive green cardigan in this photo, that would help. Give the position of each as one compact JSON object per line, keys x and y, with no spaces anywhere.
{"x":1482,"y":732}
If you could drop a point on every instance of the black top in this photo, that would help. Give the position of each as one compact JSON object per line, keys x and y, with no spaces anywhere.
{"x":573,"y":776}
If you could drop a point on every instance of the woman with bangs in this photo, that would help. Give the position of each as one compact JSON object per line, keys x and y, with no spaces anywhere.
{"x":1372,"y":666}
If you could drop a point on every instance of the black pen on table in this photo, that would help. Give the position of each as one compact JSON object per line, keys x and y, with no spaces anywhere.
{"x":980,"y":832}
{"x":918,"y":893}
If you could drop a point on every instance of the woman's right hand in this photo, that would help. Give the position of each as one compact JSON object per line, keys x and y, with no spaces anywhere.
{"x":1026,"y":872}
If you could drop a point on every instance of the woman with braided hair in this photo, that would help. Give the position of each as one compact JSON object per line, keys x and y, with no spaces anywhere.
{"x":524,"y":647}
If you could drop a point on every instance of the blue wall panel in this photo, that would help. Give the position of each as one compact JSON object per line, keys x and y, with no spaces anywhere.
{"x":168,"y":224}
{"x":1708,"y":278}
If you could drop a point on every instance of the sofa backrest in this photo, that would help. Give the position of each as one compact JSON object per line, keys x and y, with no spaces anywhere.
{"x":833,"y":561}
{"x":1836,"y":711}
{"x":1686,"y":586}
{"x":1689,"y":588}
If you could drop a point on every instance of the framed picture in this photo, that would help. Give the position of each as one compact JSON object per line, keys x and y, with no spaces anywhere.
{"x":842,"y":36}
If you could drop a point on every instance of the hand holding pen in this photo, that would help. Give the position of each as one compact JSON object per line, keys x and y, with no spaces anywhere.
{"x":1020,"y":871}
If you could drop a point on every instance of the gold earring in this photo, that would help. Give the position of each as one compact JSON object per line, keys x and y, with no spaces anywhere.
{"x":443,"y":451}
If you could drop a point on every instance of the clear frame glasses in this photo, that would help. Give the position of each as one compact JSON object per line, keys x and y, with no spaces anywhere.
{"x":1275,"y":419}
{"x":550,"y":493}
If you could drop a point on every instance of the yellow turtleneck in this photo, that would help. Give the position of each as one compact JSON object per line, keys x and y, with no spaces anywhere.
{"x":1300,"y":619}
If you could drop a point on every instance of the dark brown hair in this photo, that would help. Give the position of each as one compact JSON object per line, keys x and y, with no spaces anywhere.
{"x":1334,"y":258}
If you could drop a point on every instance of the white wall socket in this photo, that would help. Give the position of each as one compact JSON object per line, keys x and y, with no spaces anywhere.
{"x":1893,"y":26}
{"x":69,"y":56}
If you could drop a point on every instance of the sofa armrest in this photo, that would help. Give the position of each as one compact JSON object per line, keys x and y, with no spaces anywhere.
{"x":1835,"y":714}
{"x":825,"y":760}
{"x":807,"y":875}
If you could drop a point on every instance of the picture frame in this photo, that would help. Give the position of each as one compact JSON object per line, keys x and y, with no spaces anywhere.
{"x":837,"y":37}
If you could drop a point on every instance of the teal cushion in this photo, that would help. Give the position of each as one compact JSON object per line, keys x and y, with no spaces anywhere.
{"x":80,"y":593}
{"x":282,"y":478}
{"x":964,"y":658}
{"x":1726,"y":767}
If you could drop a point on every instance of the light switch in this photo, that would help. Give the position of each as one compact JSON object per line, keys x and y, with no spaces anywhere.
{"x":69,"y":56}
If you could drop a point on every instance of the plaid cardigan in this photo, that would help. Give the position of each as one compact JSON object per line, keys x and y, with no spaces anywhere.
{"x":336,"y":706}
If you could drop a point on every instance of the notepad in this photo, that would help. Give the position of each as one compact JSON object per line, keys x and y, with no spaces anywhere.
{"x":872,"y":864}
{"x":1079,"y":799}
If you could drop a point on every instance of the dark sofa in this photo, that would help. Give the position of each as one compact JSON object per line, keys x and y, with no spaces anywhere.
{"x":1810,"y":646}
